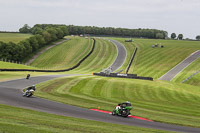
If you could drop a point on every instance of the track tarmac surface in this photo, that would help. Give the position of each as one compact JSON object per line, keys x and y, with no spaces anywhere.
{"x":11,"y":94}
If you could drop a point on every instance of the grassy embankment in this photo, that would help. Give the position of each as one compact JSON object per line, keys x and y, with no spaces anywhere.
{"x":159,"y":100}
{"x":191,"y":69}
{"x":64,"y":55}
{"x":17,"y":120}
{"x":154,"y":62}
{"x":13,"y":37}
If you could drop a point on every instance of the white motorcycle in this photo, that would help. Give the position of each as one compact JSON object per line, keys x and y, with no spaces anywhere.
{"x":29,"y":93}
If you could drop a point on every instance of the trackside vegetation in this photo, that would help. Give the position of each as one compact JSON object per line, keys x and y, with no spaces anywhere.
{"x":156,"y":100}
{"x":14,"y":120}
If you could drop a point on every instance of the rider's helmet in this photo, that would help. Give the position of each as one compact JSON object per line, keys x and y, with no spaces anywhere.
{"x":33,"y":85}
{"x":128,"y":103}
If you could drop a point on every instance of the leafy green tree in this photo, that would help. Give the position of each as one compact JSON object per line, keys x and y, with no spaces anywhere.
{"x":47,"y":36}
{"x":40,"y":40}
{"x":36,"y":30}
{"x":59,"y":33}
{"x":173,"y":35}
{"x":180,"y":36}
{"x":159,"y":36}
{"x":25,"y":29}
{"x":53,"y":33}
{"x":198,"y":37}
{"x":34,"y":43}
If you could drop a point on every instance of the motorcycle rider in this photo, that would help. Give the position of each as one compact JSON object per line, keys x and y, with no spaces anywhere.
{"x":120,"y":106}
{"x":29,"y":88}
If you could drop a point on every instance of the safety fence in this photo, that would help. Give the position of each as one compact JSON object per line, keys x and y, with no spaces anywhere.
{"x":131,"y":61}
{"x":190,"y":77}
{"x":117,"y":75}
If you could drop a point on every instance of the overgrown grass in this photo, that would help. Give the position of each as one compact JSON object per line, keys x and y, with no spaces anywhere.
{"x":18,"y":120}
{"x":13,"y":37}
{"x":159,"y":100}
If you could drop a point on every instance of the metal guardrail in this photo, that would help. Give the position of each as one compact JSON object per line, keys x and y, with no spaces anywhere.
{"x":131,"y":61}
{"x":133,"y":76}
{"x":190,"y":77}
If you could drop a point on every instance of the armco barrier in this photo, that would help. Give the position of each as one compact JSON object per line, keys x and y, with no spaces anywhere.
{"x":35,"y":70}
{"x":129,"y":65}
{"x":134,"y":76}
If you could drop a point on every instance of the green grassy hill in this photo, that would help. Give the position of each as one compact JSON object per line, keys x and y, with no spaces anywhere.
{"x":64,"y":55}
{"x":103,"y":56}
{"x":13,"y":37}
{"x":157,"y":100}
{"x":154,"y":62}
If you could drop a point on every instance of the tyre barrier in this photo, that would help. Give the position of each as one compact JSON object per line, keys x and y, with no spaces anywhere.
{"x":63,"y":70}
{"x":133,"y":76}
{"x":129,"y":65}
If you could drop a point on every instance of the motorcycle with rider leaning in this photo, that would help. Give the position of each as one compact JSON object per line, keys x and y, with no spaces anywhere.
{"x":122,"y":109}
{"x":29,"y":91}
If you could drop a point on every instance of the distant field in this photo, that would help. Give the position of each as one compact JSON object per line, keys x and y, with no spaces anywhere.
{"x":154,"y":62}
{"x":13,"y":37}
{"x":156,"y":100}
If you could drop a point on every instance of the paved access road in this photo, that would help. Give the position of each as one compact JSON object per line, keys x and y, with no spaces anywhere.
{"x":11,"y":94}
{"x":121,"y":55}
{"x":178,"y":68}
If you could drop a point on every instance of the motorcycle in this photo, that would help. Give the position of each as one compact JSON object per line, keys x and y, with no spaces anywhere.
{"x":124,"y":111}
{"x":28,"y":93}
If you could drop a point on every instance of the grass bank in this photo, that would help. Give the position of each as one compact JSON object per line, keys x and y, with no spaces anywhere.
{"x":158,"y":100}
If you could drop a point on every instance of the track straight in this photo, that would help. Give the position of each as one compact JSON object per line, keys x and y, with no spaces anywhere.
{"x":121,"y":55}
{"x":181,"y":66}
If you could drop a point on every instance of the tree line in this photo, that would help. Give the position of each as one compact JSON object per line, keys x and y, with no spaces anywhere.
{"x":123,"y":32}
{"x":42,"y":35}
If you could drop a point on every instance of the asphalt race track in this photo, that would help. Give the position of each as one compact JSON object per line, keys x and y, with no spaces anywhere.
{"x":178,"y":68}
{"x":121,"y":55}
{"x":11,"y":94}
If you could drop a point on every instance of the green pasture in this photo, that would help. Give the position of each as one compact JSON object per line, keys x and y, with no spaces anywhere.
{"x":156,"y":100}
{"x":10,"y":65}
{"x":18,"y":120}
{"x":13,"y":37}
